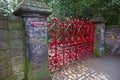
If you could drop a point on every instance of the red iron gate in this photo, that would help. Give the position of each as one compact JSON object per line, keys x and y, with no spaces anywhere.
{"x":69,"y":41}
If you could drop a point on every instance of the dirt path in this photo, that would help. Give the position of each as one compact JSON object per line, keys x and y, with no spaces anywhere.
{"x":106,"y":67}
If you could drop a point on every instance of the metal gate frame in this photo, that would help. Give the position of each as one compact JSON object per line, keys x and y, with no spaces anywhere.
{"x":69,"y":41}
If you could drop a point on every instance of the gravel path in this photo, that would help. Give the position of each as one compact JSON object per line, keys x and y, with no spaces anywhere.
{"x":106,"y":67}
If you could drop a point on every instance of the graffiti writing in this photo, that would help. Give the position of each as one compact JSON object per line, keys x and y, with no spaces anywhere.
{"x":37,"y":24}
{"x":116,"y":46}
{"x":36,"y":40}
{"x":113,"y":40}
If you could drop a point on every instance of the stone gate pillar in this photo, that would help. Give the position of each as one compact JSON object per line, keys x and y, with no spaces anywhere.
{"x":99,"y":34}
{"x":35,"y":14}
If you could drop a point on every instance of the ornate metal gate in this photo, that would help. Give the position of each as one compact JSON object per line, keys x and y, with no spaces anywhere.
{"x":69,"y":41}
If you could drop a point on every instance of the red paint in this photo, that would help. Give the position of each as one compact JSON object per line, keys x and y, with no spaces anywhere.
{"x":37,"y":24}
{"x":70,"y":41}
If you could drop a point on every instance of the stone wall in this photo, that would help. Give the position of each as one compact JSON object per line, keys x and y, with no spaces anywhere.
{"x":112,"y":39}
{"x":11,"y":48}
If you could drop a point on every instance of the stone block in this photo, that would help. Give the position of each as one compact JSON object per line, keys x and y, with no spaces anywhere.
{"x":19,"y":76}
{"x":11,"y":77}
{"x":17,"y":43}
{"x":4,"y":45}
{"x":5,"y":63}
{"x":5,"y":73}
{"x":4,"y":55}
{"x":17,"y":60}
{"x":15,"y":25}
{"x":14,"y":34}
{"x":4,"y":34}
{"x":3,"y":24}
{"x":17,"y":52}
{"x":18,"y":68}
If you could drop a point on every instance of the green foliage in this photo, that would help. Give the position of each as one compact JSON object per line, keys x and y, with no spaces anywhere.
{"x":7,"y":6}
{"x":97,"y":51}
{"x":4,"y":7}
{"x":110,"y":9}
{"x":60,"y":7}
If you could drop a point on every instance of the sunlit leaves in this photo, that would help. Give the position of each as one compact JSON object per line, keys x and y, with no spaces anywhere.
{"x":7,"y":6}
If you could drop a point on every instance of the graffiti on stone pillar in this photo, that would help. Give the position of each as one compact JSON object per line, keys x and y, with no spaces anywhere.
{"x":36,"y":40}
{"x":102,"y":30}
{"x":116,"y":46}
{"x":113,"y":40}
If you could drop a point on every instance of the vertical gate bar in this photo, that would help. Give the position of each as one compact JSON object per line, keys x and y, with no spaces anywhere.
{"x":76,"y":42}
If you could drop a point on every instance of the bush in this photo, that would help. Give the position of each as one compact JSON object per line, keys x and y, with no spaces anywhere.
{"x":97,"y":51}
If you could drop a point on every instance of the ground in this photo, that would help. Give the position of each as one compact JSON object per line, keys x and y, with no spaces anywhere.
{"x":107,"y":67}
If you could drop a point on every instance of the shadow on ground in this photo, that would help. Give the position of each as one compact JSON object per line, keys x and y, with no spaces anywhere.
{"x":106,"y":67}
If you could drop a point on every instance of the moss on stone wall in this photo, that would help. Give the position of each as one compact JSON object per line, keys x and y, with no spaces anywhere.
{"x":15,"y":25}
{"x":3,"y":24}
{"x":11,"y":49}
{"x":97,"y":51}
{"x":108,"y":48}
